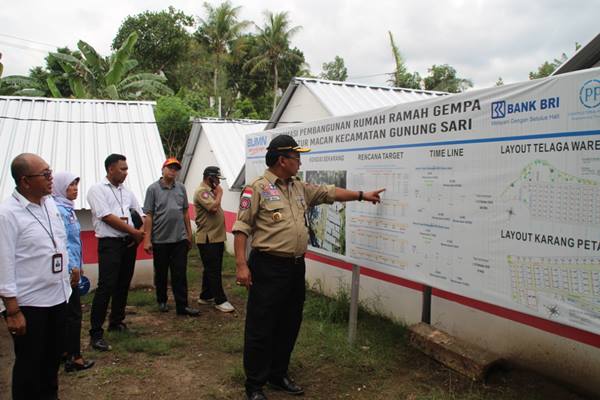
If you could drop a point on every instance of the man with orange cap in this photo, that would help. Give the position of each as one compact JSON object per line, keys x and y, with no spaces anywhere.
{"x":169,"y":236}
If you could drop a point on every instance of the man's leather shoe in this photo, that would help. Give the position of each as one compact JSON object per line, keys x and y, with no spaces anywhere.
{"x":163,"y":307}
{"x":287,"y":385}
{"x":257,"y":395}
{"x":100,"y":344}
{"x":192,"y":312}
{"x":120,"y":327}
{"x":72,"y":366}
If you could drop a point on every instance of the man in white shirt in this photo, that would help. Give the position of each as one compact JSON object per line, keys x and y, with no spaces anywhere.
{"x":34,"y":281}
{"x":118,"y":239}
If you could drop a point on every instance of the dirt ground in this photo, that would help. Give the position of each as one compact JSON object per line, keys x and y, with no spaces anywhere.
{"x":165,"y":356}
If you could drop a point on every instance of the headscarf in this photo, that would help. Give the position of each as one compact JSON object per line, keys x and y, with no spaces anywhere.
{"x":60,"y":183}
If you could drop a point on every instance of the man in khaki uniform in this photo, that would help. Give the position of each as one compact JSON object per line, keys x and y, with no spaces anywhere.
{"x":273,"y":210}
{"x":210,"y":238}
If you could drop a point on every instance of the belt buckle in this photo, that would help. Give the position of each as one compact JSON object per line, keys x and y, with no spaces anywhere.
{"x":297,"y":259}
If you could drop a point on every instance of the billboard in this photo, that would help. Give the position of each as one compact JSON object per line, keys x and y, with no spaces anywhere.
{"x":492,"y":194}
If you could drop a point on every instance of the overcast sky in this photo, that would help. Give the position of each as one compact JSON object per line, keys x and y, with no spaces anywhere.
{"x":482,"y":40}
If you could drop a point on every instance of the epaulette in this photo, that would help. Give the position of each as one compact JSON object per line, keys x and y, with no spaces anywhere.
{"x":256,"y":180}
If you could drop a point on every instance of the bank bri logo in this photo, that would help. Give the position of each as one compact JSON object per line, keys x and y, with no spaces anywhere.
{"x":589,"y":94}
{"x":498,"y":109}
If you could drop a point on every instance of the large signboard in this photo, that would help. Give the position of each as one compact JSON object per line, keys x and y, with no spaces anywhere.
{"x":492,"y":194}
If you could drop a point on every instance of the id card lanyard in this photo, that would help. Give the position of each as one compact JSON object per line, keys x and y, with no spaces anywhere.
{"x":124,"y":217}
{"x":57,"y":260}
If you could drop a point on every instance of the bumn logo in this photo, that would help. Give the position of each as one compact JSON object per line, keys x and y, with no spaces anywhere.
{"x":498,"y":109}
{"x":589,"y":94}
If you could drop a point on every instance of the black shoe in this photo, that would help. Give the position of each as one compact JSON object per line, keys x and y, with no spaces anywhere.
{"x":163,"y":307}
{"x":192,"y":312}
{"x":287,"y":385}
{"x":72,"y":366}
{"x":120,"y":327}
{"x":256,"y":395}
{"x":100,"y":344}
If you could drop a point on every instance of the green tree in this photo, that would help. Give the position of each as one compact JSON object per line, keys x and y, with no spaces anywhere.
{"x":162,"y":39}
{"x":94,"y":76}
{"x":194,"y":72}
{"x":443,"y":78}
{"x":548,"y":67}
{"x":335,"y":70}
{"x":273,"y":41}
{"x":18,"y":85}
{"x":173,"y":119}
{"x":401,"y":77}
{"x":218,"y":32}
{"x":243,"y":108}
{"x":197,"y":100}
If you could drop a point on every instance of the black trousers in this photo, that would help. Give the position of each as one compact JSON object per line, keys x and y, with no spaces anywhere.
{"x":212,"y":283}
{"x":116,"y":262}
{"x":171,"y":256}
{"x":73,"y":332}
{"x":38,"y":353}
{"x":273,"y":317}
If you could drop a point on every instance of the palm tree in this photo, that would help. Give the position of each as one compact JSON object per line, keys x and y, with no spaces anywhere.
{"x":94,"y":76}
{"x":274,"y":43}
{"x":218,"y":33}
{"x":401,"y":77}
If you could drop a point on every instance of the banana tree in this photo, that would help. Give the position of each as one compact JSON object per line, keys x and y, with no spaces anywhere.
{"x":94,"y":76}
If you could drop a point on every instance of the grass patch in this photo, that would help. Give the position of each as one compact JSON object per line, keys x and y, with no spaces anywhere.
{"x":141,"y":297}
{"x":233,"y":343}
{"x":237,"y":374}
{"x":111,"y":372}
{"x":151,"y":346}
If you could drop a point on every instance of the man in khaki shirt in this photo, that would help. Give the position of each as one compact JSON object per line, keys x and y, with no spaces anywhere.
{"x":210,"y":238}
{"x":273,"y":211}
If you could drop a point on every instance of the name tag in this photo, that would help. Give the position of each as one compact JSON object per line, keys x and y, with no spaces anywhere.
{"x":57,"y":263}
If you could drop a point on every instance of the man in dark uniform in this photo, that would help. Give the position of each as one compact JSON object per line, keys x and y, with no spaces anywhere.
{"x":273,"y":210}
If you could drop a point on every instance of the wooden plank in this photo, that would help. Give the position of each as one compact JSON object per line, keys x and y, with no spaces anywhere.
{"x":459,"y":355}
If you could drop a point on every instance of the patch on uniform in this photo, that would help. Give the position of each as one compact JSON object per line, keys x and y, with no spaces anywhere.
{"x":205,"y":195}
{"x":271,"y":193}
{"x":244,"y":203}
{"x":247,"y":193}
{"x":270,"y":196}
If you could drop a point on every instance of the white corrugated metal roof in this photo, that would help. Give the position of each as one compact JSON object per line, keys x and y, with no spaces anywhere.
{"x":587,"y":56}
{"x":227,"y":141}
{"x":77,"y":135}
{"x":344,"y":98}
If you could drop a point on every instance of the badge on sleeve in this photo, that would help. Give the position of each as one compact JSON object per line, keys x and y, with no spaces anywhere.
{"x":245,"y":200}
{"x":205,"y":195}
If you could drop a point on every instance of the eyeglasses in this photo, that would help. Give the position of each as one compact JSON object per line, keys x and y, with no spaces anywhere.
{"x":46,"y":174}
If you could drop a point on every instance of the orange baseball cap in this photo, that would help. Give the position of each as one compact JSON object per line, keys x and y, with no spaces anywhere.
{"x":171,"y":161}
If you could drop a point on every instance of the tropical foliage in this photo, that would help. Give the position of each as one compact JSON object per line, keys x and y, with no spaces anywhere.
{"x":444,"y":78}
{"x":273,"y":43}
{"x":401,"y":77}
{"x":335,"y":70}
{"x":94,"y":76}
{"x":162,"y":41}
{"x":218,"y":33}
